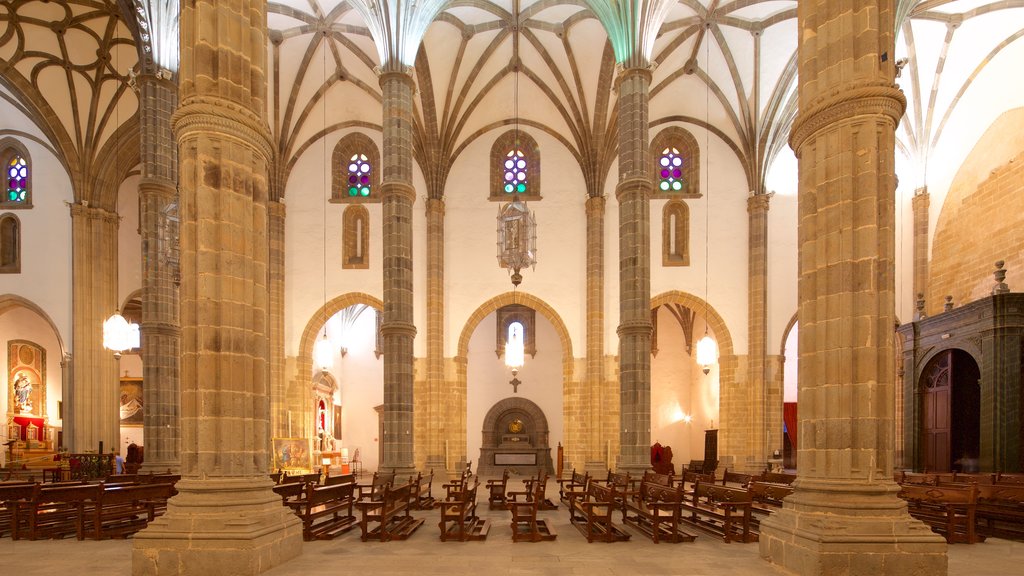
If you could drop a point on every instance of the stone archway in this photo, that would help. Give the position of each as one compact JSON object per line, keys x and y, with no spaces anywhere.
{"x":515,"y":435}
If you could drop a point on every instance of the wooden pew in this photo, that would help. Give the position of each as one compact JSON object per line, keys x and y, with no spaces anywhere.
{"x":658,"y":478}
{"x":950,"y":511}
{"x":526,"y":527}
{"x":776,"y":478}
{"x":454,"y":487}
{"x":591,"y":510}
{"x":10,"y":494}
{"x":390,"y":514}
{"x":534,"y":487}
{"x":121,"y":511}
{"x":291,"y":493}
{"x":53,"y":512}
{"x":575,"y":482}
{"x":375,"y":488}
{"x":340,"y":479}
{"x":736,"y":479}
{"x":765,"y":499}
{"x":423,"y":499}
{"x":496,"y":498}
{"x":461,"y":513}
{"x":655,"y":510}
{"x":1000,"y":510}
{"x":720,"y":510}
{"x":326,"y":511}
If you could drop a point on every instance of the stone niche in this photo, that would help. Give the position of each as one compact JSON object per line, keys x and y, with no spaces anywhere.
{"x":515,"y":436}
{"x":962,"y":374}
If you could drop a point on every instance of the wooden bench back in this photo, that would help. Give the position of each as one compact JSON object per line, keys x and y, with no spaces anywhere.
{"x":974,"y":478}
{"x":718,"y":493}
{"x":650,"y":492}
{"x":45,"y":493}
{"x":395,"y":497}
{"x":619,"y":480}
{"x":940,"y":494}
{"x":657,"y":478}
{"x":290,"y":490}
{"x":736,"y":478}
{"x":696,"y":478}
{"x":340,"y":479}
{"x":1005,"y":478}
{"x":319,"y":495}
{"x":135,"y":492}
{"x":1002,"y":493}
{"x":917,"y":478}
{"x":769,"y":493}
{"x":777,"y":478}
{"x":601,"y":494}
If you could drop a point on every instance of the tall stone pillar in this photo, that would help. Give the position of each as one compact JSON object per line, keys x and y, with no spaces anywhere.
{"x":920,"y":205}
{"x":844,"y":516}
{"x":93,"y":408}
{"x":633,"y":193}
{"x":161,"y":331}
{"x":439,"y":407}
{"x":225,"y":519}
{"x":397,"y":328}
{"x":596,"y":453}
{"x":757,"y":322}
{"x":278,"y":387}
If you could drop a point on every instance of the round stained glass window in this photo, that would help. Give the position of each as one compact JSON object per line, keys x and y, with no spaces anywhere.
{"x":515,"y":173}
{"x":359,"y":176}
{"x":671,"y":170}
{"x":17,"y":180}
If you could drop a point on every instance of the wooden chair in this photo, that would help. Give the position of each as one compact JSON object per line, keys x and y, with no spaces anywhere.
{"x":576,"y":482}
{"x":454,"y":487}
{"x":496,"y":498}
{"x":534,"y":488}
{"x":591,"y":511}
{"x":526,"y":527}
{"x":461,"y":513}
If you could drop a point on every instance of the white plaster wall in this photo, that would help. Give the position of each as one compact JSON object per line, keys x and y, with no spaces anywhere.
{"x":726,"y":290}
{"x":45,"y":277}
{"x":360,"y":378}
{"x":472,"y":273}
{"x":487,"y":382}
{"x":129,"y":241}
{"x":19,"y":323}
{"x":308,"y":214}
{"x":783,"y":247}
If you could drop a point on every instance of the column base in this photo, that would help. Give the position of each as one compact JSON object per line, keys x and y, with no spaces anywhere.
{"x":160,"y":467}
{"x":234,"y":527}
{"x":840,"y":528}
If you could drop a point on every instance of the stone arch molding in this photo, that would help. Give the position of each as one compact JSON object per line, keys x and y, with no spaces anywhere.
{"x":523,"y":405}
{"x":11,"y":301}
{"x":714,"y":319}
{"x":317,"y":319}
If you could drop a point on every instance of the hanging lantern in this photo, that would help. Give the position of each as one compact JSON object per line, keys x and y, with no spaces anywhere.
{"x":120,"y":335}
{"x":323,"y":354}
{"x":707,"y":352}
{"x":517,"y":238}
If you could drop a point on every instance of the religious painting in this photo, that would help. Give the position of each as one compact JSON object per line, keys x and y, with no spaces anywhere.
{"x":337,"y":422}
{"x":26,"y":377}
{"x":131,"y":401}
{"x":293,"y":454}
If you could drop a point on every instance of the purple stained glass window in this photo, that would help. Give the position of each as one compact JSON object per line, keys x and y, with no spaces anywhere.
{"x":515,"y":170}
{"x":670,"y":167}
{"x":17,"y":180}
{"x":359,"y":176}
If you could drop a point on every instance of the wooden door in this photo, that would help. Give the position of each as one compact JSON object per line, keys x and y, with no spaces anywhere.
{"x":936,"y":421}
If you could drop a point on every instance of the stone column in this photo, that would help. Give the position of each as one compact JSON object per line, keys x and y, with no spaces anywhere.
{"x":920,"y":205}
{"x":845,"y":516}
{"x":93,"y":409}
{"x":757,"y":322}
{"x":278,"y":389}
{"x":595,"y":453}
{"x":397,"y":328}
{"x":633,"y":193}
{"x":161,"y":331}
{"x":439,"y":407}
{"x":775,"y":397}
{"x":225,"y":519}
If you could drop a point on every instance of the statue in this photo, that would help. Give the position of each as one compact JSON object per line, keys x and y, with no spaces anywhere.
{"x":23,"y":393}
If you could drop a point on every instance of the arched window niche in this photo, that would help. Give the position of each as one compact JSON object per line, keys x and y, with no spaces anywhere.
{"x":355,"y":170}
{"x":515,"y":167}
{"x":675,"y":164}
{"x":17,"y":172}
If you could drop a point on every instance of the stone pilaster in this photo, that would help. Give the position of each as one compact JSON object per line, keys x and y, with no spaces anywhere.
{"x":397,"y":328}
{"x":633,"y":193}
{"x":438,"y":405}
{"x":93,"y":414}
{"x":161,"y":331}
{"x":757,"y":323}
{"x":920,"y":205}
{"x":774,"y":397}
{"x":595,"y":453}
{"x":845,"y":517}
{"x":278,"y":390}
{"x":225,"y":519}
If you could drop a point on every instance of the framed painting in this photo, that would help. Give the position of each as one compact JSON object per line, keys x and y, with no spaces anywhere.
{"x":131,"y":401}
{"x":293,"y":454}
{"x":337,"y":422}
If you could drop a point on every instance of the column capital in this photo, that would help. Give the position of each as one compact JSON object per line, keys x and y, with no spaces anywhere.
{"x":395,"y":188}
{"x":397,"y":328}
{"x":758,"y":203}
{"x":435,"y":206}
{"x":637,"y":185}
{"x":626,"y":70}
{"x":206,"y":117}
{"x":397,"y":72}
{"x":276,"y":209}
{"x":83,"y":210}
{"x":884,"y":100}
{"x":635,"y":327}
{"x":595,"y":205}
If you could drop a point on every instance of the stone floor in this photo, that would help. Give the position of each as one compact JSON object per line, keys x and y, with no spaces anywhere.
{"x":424,"y":553}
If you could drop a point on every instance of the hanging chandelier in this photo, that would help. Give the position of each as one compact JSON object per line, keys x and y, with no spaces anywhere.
{"x":517,"y":238}
{"x":707,"y":348}
{"x":120,"y":335}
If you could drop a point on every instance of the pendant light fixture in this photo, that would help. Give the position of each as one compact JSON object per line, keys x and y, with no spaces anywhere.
{"x":323,"y":354}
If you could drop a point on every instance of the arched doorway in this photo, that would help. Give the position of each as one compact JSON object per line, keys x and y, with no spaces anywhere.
{"x":951,"y":412}
{"x":515,"y":435}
